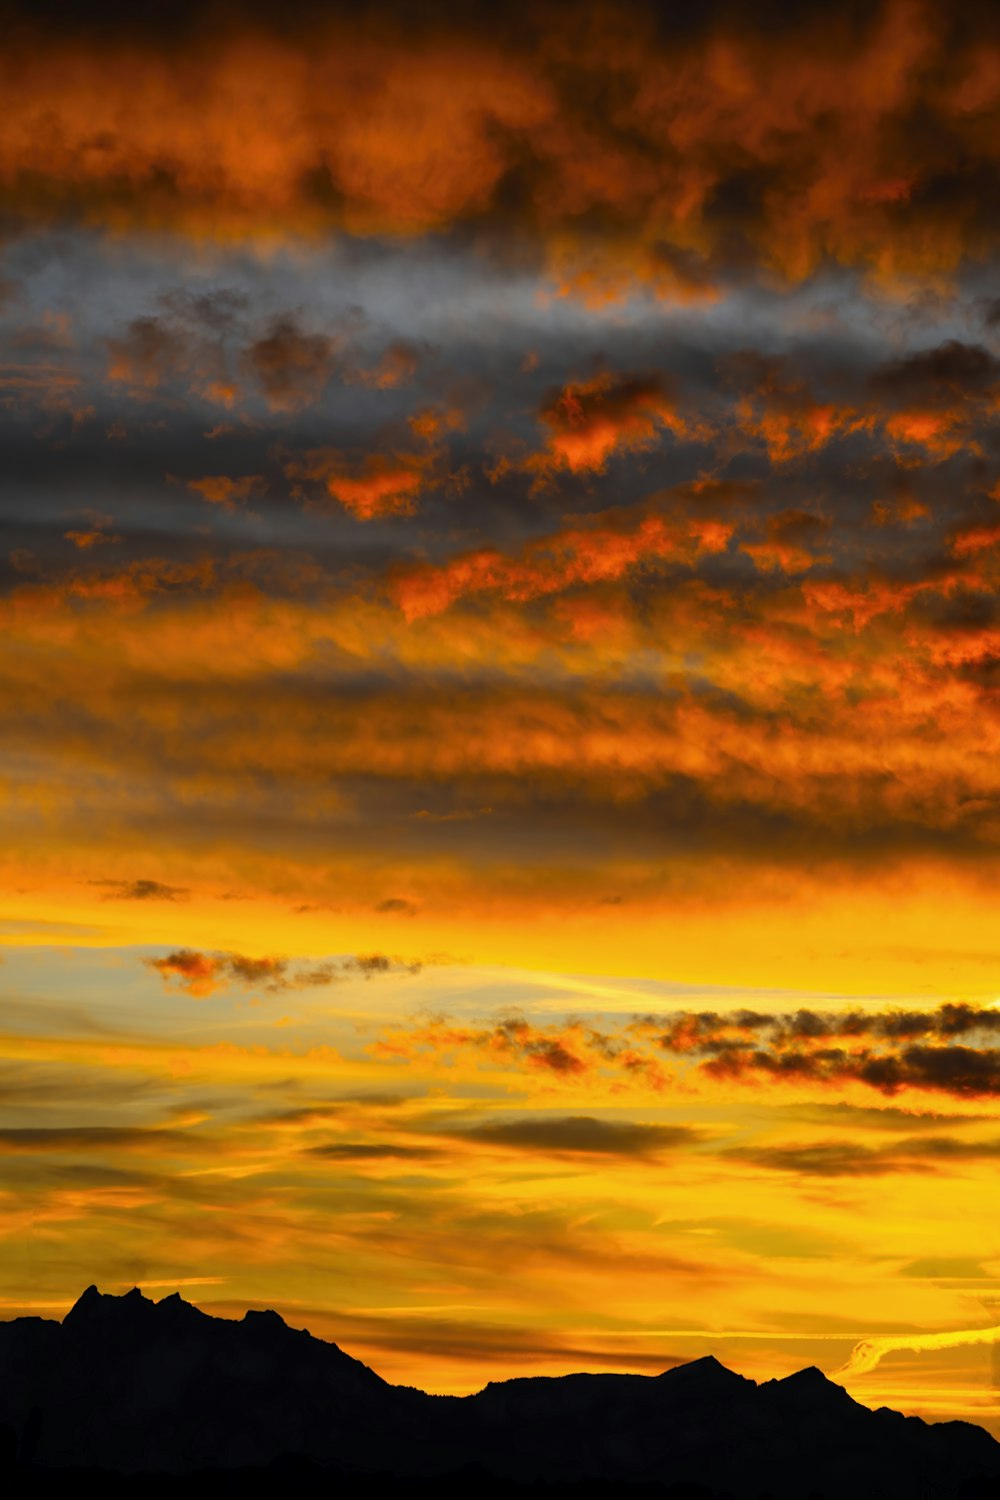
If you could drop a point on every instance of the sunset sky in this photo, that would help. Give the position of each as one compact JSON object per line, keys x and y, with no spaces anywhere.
{"x":499,"y":822}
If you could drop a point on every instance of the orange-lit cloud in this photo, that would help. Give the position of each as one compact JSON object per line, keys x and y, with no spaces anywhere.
{"x":380,"y":485}
{"x":790,"y":147}
{"x":790,"y":540}
{"x":777,"y":408}
{"x":224,"y":490}
{"x":891,"y":1053}
{"x":591,"y":420}
{"x":85,"y":540}
{"x":202,"y":974}
{"x":601,"y":550}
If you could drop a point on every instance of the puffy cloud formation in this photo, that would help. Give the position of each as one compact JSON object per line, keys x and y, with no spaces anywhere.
{"x":630,"y":145}
{"x":949,"y":1051}
{"x":202,"y":974}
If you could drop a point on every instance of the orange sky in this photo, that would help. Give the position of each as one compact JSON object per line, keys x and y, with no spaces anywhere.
{"x":498,"y":679}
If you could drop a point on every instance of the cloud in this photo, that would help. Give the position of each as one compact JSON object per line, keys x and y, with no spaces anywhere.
{"x":321,"y":1111}
{"x":381,"y":484}
{"x":85,"y":540}
{"x":227,"y":492}
{"x":931,"y":399}
{"x":359,"y":1151}
{"x":197,"y":973}
{"x":851,"y":1159}
{"x":869,"y":1353}
{"x":790,"y":540}
{"x":912,"y":1049}
{"x":149,"y":352}
{"x":202,"y":974}
{"x":397,"y":904}
{"x":143,"y":890}
{"x":597,"y":550}
{"x":569,"y":1051}
{"x":397,"y":366}
{"x":290,"y":366}
{"x":778,"y":408}
{"x":711,"y":1049}
{"x":732,"y":148}
{"x":585,"y":1135}
{"x":957,"y":1267}
{"x":589,"y":422}
{"x":96,"y":1138}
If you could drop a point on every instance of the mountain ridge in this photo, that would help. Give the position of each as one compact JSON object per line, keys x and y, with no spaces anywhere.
{"x":128,"y":1386}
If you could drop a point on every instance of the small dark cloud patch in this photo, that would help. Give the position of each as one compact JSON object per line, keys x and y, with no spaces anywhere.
{"x":146,"y":353}
{"x":323,"y":1109}
{"x":290,"y":365}
{"x":202,"y":974}
{"x":951,"y":369}
{"x":93,"y":1138}
{"x":947,"y":1267}
{"x":374,"y":1151}
{"x":849,"y":1159}
{"x":586,"y":1135}
{"x":143,"y":890}
{"x":887,"y":1117}
{"x":825,"y":1159}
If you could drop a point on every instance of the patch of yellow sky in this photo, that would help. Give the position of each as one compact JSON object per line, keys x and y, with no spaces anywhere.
{"x":448,"y":1260}
{"x":927,"y":935}
{"x":457,"y":1260}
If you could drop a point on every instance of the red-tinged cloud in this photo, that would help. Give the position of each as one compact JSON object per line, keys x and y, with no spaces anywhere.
{"x":126,"y":589}
{"x":599,"y":550}
{"x":590,"y":421}
{"x":777,"y":408}
{"x":202,"y":974}
{"x":932,"y":404}
{"x":85,"y":541}
{"x":969,"y":540}
{"x":433,"y":422}
{"x":950,"y":1051}
{"x":382,"y":484}
{"x":226,"y":491}
{"x":817,"y":139}
{"x":565,"y":1051}
{"x":790,"y":543}
{"x":197,"y":973}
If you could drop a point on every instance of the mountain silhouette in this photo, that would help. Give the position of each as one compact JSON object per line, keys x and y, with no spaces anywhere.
{"x":162,"y":1398}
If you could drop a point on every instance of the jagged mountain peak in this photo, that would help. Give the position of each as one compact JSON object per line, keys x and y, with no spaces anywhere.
{"x":705,"y":1370}
{"x":807,"y":1382}
{"x":130,"y":1385}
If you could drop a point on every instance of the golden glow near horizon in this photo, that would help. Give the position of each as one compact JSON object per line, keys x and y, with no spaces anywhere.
{"x":498,"y":679}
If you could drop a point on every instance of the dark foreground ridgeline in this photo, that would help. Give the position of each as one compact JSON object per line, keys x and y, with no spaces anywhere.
{"x":132,"y":1397}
